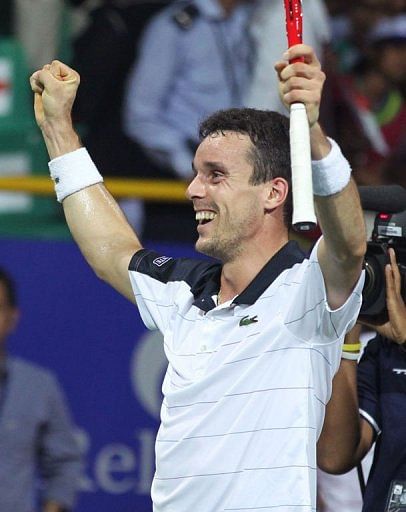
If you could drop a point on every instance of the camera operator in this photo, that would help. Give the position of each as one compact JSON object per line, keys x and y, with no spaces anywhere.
{"x":373,"y":411}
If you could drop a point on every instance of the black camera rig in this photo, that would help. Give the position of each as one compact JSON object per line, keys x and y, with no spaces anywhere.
{"x":389,"y":231}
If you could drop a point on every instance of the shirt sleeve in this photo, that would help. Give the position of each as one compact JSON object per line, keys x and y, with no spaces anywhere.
{"x":60,"y":460}
{"x":162,"y":285}
{"x":309,"y":316}
{"x":368,"y":385}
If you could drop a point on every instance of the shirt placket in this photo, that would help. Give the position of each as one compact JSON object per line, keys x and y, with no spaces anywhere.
{"x":212,"y":331}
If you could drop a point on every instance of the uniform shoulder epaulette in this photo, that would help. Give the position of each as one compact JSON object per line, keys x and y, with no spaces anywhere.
{"x":185,"y":17}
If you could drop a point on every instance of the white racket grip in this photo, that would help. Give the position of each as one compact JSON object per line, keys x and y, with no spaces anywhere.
{"x":304,"y":218}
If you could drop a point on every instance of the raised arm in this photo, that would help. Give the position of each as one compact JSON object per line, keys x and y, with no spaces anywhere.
{"x":96,"y":222}
{"x":342,"y":249}
{"x":339,"y":212}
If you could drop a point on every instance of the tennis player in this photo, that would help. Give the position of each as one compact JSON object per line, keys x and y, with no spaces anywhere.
{"x":253,"y":338}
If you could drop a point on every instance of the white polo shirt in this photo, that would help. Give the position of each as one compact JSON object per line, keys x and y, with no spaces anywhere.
{"x":247,"y":381}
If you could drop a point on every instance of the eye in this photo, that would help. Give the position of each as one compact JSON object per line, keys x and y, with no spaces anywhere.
{"x":216,"y":175}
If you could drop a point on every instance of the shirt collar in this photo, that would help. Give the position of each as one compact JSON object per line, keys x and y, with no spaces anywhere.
{"x":209,"y":283}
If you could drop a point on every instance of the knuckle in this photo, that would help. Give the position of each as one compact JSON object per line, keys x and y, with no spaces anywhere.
{"x":292,"y":96}
{"x":285,"y":87}
{"x":292,"y":84}
{"x":297,"y":82}
{"x":284,"y":74}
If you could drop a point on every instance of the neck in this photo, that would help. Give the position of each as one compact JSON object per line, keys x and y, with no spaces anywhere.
{"x":237,"y":274}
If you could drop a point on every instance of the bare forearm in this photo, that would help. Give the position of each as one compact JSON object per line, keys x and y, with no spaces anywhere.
{"x":60,"y":138}
{"x":94,"y":218}
{"x":103,"y":234}
{"x":342,"y":223}
{"x":340,"y":215}
{"x":345,"y":437}
{"x":320,"y":145}
{"x":338,"y":445}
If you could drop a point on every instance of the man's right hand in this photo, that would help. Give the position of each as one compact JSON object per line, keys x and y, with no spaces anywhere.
{"x":54,"y":88}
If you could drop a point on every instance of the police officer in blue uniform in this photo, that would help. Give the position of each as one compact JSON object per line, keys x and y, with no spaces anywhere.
{"x":195,"y":58}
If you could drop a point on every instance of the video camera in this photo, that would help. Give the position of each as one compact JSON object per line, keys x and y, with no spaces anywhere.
{"x":389,"y":231}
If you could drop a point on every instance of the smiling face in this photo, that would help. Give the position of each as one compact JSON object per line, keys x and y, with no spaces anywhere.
{"x":229,"y":210}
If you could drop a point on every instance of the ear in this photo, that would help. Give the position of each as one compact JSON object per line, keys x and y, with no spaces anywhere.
{"x":277,"y":192}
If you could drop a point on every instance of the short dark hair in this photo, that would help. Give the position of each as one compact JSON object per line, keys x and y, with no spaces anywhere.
{"x":10,"y":287}
{"x":269,"y":133}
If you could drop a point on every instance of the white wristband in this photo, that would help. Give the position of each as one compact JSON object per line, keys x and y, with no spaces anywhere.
{"x":332,"y":173}
{"x":73,"y":172}
{"x":353,"y":356}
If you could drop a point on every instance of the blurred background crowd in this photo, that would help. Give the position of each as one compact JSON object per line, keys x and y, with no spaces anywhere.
{"x":150,"y":70}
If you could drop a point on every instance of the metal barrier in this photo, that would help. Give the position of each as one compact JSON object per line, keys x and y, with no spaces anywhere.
{"x":150,"y":190}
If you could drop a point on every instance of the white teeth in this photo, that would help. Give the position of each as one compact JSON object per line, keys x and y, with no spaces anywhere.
{"x":203,"y":215}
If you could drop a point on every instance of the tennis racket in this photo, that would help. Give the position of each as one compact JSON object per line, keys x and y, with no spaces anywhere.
{"x":304,"y":218}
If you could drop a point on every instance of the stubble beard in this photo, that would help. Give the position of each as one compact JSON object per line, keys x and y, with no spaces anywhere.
{"x":230,"y":236}
{"x":220,"y":248}
{"x":225,"y":244}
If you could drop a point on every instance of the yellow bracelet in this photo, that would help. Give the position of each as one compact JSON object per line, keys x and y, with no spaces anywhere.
{"x":352,"y":347}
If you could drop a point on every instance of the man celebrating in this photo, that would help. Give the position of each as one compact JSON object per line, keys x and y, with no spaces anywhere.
{"x":252,"y":342}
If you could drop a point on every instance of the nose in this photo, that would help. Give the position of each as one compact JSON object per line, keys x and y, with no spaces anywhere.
{"x":196,"y":188}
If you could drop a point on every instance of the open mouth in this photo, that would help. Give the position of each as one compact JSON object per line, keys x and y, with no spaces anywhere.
{"x":204,"y":217}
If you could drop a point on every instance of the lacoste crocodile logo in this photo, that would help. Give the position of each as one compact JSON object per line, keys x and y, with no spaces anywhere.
{"x":246,"y":320}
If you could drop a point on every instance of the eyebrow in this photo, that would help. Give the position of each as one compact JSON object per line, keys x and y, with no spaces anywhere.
{"x":209,"y":165}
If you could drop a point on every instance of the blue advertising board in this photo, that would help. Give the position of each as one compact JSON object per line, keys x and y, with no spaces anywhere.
{"x":109,"y":365}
